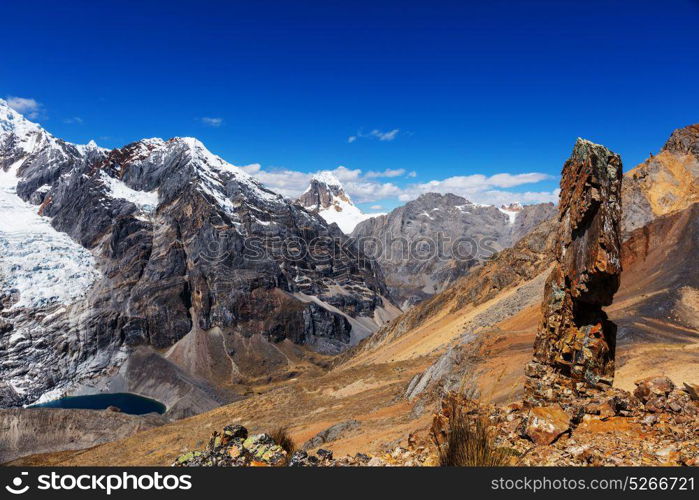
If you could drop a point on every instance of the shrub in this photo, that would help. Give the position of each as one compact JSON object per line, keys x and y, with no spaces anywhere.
{"x":282,"y":438}
{"x":468,"y":443}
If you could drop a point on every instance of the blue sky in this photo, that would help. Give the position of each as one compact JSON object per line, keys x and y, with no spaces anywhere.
{"x":464,"y":96}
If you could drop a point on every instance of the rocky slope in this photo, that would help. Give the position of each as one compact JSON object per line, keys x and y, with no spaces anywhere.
{"x":162,"y":244}
{"x":327,"y":197}
{"x":664,"y":183}
{"x":43,"y":430}
{"x":426,"y":244}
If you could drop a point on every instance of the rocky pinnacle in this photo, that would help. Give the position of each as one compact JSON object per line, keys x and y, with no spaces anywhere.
{"x":575,"y":342}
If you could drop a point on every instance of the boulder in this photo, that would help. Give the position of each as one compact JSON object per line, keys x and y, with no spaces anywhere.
{"x":653,"y":386}
{"x":545,"y":424}
{"x":692,"y":390}
{"x":331,"y":434}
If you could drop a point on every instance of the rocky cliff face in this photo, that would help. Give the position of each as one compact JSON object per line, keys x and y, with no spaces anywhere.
{"x":426,"y":244}
{"x":155,"y":244}
{"x":664,"y":183}
{"x":575,"y":338}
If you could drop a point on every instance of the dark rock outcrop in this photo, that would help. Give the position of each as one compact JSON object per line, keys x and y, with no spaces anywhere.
{"x":575,"y":342}
{"x":332,"y":433}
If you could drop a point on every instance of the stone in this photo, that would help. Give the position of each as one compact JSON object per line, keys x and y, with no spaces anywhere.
{"x":692,"y":390}
{"x":653,"y":386}
{"x":376,"y":462}
{"x":575,"y":342}
{"x":332,"y":433}
{"x":545,"y":424}
{"x":235,"y":431}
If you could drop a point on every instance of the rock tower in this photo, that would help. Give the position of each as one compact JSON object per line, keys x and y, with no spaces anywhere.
{"x":575,"y":342}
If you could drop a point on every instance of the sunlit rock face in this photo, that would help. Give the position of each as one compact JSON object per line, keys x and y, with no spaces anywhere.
{"x":575,"y":341}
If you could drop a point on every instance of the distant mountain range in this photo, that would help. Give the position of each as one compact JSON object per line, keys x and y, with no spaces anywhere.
{"x":428,"y":243}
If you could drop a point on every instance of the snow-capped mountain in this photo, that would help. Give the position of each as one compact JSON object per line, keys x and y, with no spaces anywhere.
{"x":161,"y":269}
{"x":326,"y":197}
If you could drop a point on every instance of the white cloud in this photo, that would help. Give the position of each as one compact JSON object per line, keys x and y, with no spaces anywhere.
{"x":389,"y":172}
{"x":212,"y":121}
{"x":385,"y":136}
{"x":482,"y":189}
{"x":375,"y":134}
{"x":376,"y":207}
{"x":30,"y":108}
{"x":73,"y":120}
{"x":367,"y":188}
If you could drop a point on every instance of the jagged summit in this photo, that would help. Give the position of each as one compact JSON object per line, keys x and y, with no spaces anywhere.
{"x":327,"y":177}
{"x":326,"y":196}
{"x":665,"y":183}
{"x":684,"y":141}
{"x":513,"y":207}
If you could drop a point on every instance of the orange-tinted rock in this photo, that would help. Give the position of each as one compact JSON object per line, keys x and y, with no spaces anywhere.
{"x":546,"y":424}
{"x":575,"y":339}
{"x":653,"y":386}
{"x":692,"y":390}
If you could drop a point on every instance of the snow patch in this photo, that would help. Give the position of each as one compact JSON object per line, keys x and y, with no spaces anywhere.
{"x":147,"y":201}
{"x":326,"y":177}
{"x":512,"y":214}
{"x":45,"y":266}
{"x":345,"y":214}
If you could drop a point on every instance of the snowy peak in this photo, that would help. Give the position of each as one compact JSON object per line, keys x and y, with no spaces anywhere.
{"x":19,"y":134}
{"x":328,"y":178}
{"x":511,"y":210}
{"x":154,"y":169}
{"x":327,"y":197}
{"x":513,"y":207}
{"x":324,"y":192}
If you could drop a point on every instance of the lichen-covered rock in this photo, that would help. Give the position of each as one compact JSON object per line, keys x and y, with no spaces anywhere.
{"x":575,"y":340}
{"x":263,"y":449}
{"x":234,"y":448}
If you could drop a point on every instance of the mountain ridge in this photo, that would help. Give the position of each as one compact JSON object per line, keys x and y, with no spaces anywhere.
{"x":187,"y":246}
